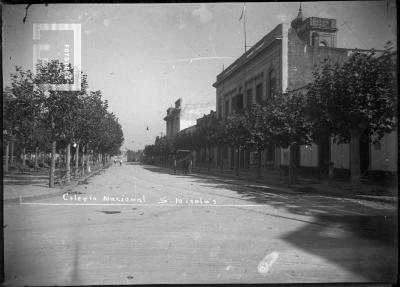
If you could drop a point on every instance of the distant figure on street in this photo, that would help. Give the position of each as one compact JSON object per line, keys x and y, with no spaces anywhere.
{"x":120,"y":162}
{"x":115,"y":161}
{"x":174,"y":164}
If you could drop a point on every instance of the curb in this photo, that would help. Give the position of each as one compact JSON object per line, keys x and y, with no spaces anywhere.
{"x":54,"y":194}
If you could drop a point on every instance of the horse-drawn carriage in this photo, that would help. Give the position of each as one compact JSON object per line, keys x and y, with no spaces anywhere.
{"x":183,"y":160}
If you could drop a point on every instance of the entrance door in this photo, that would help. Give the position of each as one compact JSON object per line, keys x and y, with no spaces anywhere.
{"x":364,"y":152}
{"x":323,"y":156}
{"x":232,"y":159}
{"x":241,"y":161}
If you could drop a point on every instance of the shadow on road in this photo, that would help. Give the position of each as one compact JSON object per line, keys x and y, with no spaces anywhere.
{"x":158,"y":169}
{"x":337,"y":222}
{"x":132,"y":163}
{"x":375,"y":259}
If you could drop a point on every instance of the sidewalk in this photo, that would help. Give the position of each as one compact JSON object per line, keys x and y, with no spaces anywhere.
{"x":35,"y":185}
{"x":309,"y":186}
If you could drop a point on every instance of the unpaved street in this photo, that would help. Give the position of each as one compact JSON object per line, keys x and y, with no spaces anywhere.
{"x":136,"y":224}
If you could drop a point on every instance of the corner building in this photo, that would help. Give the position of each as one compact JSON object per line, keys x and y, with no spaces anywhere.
{"x":283,"y":61}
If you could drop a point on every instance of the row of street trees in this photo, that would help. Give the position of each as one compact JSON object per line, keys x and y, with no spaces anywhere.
{"x":343,"y":102}
{"x":40,"y":119}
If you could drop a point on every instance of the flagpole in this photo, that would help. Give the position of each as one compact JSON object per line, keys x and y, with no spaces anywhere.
{"x":243,"y":15}
{"x":244,"y":27}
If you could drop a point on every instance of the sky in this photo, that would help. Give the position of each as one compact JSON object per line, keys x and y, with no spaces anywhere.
{"x":143,"y":57}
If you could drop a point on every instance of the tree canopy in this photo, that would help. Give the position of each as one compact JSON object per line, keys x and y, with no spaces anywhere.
{"x":353,"y":97}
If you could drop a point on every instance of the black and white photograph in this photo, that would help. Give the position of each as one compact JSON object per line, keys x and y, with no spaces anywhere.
{"x":199,"y":143}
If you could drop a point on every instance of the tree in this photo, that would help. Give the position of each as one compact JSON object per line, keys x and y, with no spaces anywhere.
{"x":22,"y":109}
{"x":234,"y":133}
{"x":289,"y":125}
{"x":8,"y":99}
{"x":347,"y":100}
{"x":37,"y":113}
{"x":257,"y":122}
{"x":184,"y":141}
{"x":59,"y":106}
{"x":206,"y":134}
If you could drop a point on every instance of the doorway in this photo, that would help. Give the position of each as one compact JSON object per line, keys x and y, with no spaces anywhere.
{"x":364,"y":152}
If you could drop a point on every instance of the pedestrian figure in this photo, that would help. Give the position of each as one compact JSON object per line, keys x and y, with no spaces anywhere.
{"x":174,"y":164}
{"x":120,"y":162}
{"x":115,"y":161}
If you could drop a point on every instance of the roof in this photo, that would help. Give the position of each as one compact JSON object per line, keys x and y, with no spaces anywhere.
{"x":266,"y":41}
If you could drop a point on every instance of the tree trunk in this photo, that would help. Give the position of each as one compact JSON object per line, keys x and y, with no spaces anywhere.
{"x":237,"y":156}
{"x":56,"y":161}
{"x":7,"y":152}
{"x":36,"y":158}
{"x":88,"y":162}
{"x":221,"y":158}
{"x":52,"y":164}
{"x":43,"y":158}
{"x":68,"y":164}
{"x":12,"y":153}
{"x":331,"y":172}
{"x":77,"y":160}
{"x":293,"y":163}
{"x":258,"y":171}
{"x":355,"y":170}
{"x":83,"y":160}
{"x":23,"y":157}
{"x":208,"y":159}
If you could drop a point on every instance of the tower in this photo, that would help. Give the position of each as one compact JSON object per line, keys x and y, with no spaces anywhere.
{"x":315,"y":31}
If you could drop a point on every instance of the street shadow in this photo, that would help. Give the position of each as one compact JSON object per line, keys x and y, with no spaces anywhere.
{"x":334,"y":227}
{"x":162,"y":170}
{"x":109,"y":212}
{"x":374,"y":258}
{"x":338,"y":223}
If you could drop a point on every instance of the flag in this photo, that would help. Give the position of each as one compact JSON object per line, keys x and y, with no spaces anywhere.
{"x":243,"y":11}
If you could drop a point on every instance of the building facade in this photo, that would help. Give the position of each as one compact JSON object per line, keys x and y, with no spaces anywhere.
{"x":173,"y":123}
{"x":181,"y":117}
{"x":283,"y":61}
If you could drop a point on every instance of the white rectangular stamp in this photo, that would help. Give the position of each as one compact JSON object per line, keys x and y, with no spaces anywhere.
{"x":77,"y":67}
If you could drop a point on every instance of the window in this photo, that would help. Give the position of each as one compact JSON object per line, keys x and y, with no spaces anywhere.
{"x":220,"y":107}
{"x":270,"y":153}
{"x":239,"y":102}
{"x":271,"y":84}
{"x":233,"y":104}
{"x":249,"y":97}
{"x":259,"y":93}
{"x":225,"y":152}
